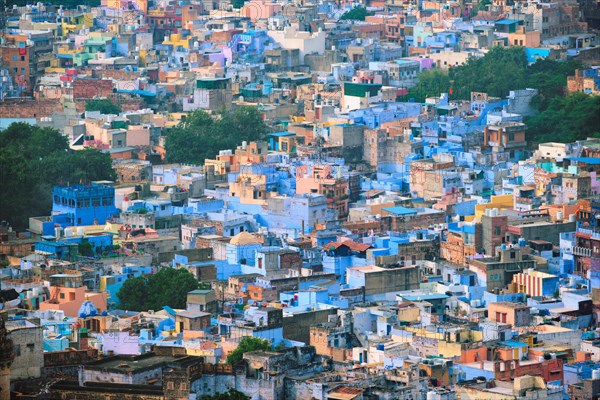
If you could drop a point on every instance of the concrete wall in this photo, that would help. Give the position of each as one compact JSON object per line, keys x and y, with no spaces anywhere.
{"x":28,"y":347}
{"x":297,"y":327}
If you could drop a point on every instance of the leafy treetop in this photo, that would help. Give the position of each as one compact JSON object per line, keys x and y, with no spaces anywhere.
{"x":168,"y":287}
{"x":231,"y":394}
{"x":356,"y":14}
{"x":105,"y":106}
{"x":201,"y":136}
{"x":247,"y":344}
{"x":32,"y":161}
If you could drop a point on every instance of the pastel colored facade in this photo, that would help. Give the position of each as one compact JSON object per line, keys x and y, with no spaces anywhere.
{"x":260,"y":9}
{"x":320,"y":179}
{"x":306,"y":42}
{"x":522,"y":38}
{"x":508,"y":137}
{"x":502,"y":202}
{"x":535,"y":283}
{"x":68,"y":294}
{"x":509,"y":313}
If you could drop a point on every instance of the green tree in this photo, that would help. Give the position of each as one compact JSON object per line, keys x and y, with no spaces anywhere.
{"x":86,"y":249}
{"x":105,"y":106}
{"x":549,"y":77}
{"x":573,"y":117}
{"x":356,"y":14}
{"x":247,"y":344}
{"x":483,"y":4}
{"x":32,"y":161}
{"x":497,"y":73}
{"x":238,"y":3}
{"x":201,"y":136}
{"x":168,"y":287}
{"x":231,"y":394}
{"x":431,"y":83}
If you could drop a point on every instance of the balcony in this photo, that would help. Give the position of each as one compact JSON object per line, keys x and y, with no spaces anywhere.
{"x":582,"y":251}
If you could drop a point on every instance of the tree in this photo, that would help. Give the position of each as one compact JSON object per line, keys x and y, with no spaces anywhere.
{"x":497,"y":73}
{"x":573,"y":117}
{"x":232,"y":394}
{"x":356,"y":14}
{"x":201,"y":136}
{"x":32,"y":161}
{"x":238,"y":3}
{"x":168,"y":287}
{"x":105,"y":106}
{"x":483,"y":4}
{"x":247,"y":344}
{"x":431,"y":83}
{"x":86,"y":249}
{"x":550,"y":78}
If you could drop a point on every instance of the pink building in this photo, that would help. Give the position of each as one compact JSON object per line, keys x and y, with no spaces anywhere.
{"x":67,"y":294}
{"x":260,"y":9}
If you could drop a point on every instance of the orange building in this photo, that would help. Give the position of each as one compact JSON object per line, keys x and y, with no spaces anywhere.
{"x":67,"y":293}
{"x":506,"y":136}
{"x":509,"y":313}
{"x":320,"y":179}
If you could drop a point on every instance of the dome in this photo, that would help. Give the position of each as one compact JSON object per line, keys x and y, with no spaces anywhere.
{"x":245,"y":238}
{"x":87,"y":309}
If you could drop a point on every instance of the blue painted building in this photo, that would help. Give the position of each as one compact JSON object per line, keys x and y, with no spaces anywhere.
{"x":83,"y":204}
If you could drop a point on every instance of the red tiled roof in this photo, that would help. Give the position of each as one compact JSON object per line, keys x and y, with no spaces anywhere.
{"x":359,"y":247}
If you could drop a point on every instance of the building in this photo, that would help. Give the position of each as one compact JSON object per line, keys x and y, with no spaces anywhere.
{"x":383,"y":282}
{"x":68,"y":294}
{"x":202,"y":300}
{"x":506,"y":137}
{"x":83,"y":204}
{"x":509,"y":313}
{"x":210,"y":94}
{"x":496,"y":272}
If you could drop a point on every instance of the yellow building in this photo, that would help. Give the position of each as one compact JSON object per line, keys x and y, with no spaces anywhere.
{"x":502,"y":202}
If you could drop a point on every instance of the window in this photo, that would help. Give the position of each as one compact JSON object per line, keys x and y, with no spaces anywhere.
{"x":496,"y":230}
{"x":31,"y":346}
{"x":62,"y":295}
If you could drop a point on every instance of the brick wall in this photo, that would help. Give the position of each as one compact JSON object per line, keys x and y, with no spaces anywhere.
{"x":117,"y":74}
{"x":29,"y":108}
{"x":90,"y":88}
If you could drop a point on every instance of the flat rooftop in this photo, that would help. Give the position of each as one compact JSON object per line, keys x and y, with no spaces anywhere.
{"x":125,"y":364}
